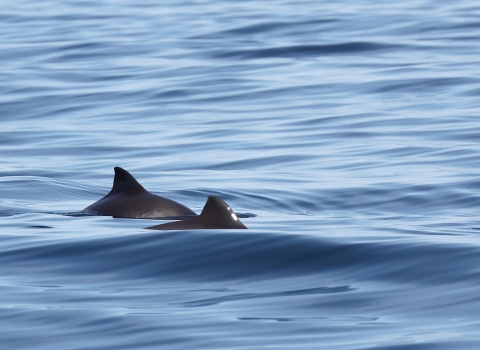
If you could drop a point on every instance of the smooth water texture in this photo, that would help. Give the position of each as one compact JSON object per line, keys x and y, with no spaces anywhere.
{"x":345,"y":134}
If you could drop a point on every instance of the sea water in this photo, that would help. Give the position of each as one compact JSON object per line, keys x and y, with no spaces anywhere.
{"x":345,"y":135}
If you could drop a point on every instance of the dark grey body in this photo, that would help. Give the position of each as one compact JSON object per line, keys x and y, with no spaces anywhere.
{"x":216,"y":214}
{"x":128,"y":199}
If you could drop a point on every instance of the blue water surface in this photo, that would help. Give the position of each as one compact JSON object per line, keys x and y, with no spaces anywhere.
{"x":345,"y":134}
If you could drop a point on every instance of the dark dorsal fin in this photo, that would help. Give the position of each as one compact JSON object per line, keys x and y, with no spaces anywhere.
{"x":124,"y":181}
{"x":218,"y":213}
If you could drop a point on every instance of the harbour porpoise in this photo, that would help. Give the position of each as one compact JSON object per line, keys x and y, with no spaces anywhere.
{"x":216,"y":214}
{"x":128,"y":199}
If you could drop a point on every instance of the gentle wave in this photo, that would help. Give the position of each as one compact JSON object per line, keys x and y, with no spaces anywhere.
{"x":252,"y":256}
{"x":299,"y":51}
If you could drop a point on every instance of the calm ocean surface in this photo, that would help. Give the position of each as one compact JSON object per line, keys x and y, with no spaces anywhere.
{"x":345,"y":134}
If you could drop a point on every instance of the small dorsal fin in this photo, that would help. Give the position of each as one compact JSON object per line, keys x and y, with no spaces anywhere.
{"x":124,"y":181}
{"x":218,"y":213}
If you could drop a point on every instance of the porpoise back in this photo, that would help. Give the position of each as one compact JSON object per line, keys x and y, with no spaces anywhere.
{"x":216,"y":214}
{"x":129,"y":199}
